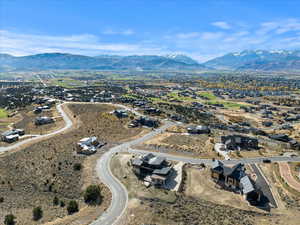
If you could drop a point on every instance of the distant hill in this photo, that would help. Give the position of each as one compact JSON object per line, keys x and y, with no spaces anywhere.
{"x":182,"y":58}
{"x":257,"y":60}
{"x":49,"y":61}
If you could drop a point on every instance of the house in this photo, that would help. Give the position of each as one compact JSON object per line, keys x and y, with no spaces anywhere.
{"x":267,"y":123}
{"x":88,"y":145}
{"x":144,"y":121}
{"x":286,"y":126}
{"x":12,"y":135}
{"x":40,"y":109}
{"x":280,"y":137}
{"x":120,"y":113}
{"x":198,"y":130}
{"x":151,"y":110}
{"x":11,"y":138}
{"x":43,"y":120}
{"x":151,"y":168}
{"x":257,"y":131}
{"x":294,"y":144}
{"x":239,"y":142}
{"x":235,"y":179}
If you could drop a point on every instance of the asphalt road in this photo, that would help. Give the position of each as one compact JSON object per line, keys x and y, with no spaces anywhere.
{"x":209,"y":161}
{"x":119,"y":192}
{"x":68,"y":124}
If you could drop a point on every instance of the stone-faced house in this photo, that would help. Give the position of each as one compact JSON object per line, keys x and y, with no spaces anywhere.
{"x":43,"y":120}
{"x":235,"y":179}
{"x":239,"y":142}
{"x":120,"y":113}
{"x":144,"y":121}
{"x":198,"y":130}
{"x":152,"y":168}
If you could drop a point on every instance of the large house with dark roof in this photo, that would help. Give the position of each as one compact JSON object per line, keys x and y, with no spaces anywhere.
{"x":235,"y":179}
{"x":154,"y":169}
{"x":239,"y":142}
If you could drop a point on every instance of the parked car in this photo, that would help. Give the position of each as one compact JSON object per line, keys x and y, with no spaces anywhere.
{"x":267,"y":161}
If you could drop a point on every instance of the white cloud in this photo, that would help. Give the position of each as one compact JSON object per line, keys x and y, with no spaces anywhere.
{"x":221,"y":24}
{"x":24,"y":44}
{"x":211,"y":35}
{"x":188,"y":35}
{"x":279,"y":27}
{"x":118,"y":32}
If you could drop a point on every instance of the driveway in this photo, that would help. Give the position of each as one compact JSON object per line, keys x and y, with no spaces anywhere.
{"x":263,"y":184}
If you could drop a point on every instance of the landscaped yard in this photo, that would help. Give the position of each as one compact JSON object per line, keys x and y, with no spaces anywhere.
{"x":3,"y":113}
{"x":207,"y":95}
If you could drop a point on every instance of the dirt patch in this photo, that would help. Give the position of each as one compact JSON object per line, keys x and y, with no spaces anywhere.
{"x":196,"y":145}
{"x":286,"y":173}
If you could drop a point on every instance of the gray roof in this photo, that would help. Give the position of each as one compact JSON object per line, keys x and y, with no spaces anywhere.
{"x":163,"y":171}
{"x":216,"y":163}
{"x":246,"y":184}
{"x":137,"y":162}
{"x":156,"y":160}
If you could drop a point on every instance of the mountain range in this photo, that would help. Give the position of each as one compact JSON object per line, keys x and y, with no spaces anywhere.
{"x":257,"y":60}
{"x":49,"y":61}
{"x":245,"y":60}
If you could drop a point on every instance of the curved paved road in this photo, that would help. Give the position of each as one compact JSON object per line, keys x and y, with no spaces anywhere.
{"x":68,"y":124}
{"x":119,"y":192}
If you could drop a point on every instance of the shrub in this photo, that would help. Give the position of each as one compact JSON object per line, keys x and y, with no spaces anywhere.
{"x":77,"y":166}
{"x":1,"y":199}
{"x":55,"y":201}
{"x":72,"y":207}
{"x":9,"y":219}
{"x":37,"y":213}
{"x":92,"y":195}
{"x":62,"y":204}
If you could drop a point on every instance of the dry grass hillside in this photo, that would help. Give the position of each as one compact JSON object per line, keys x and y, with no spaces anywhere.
{"x":34,"y":175}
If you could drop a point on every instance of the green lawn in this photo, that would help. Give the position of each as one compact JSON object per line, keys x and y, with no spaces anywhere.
{"x":227,"y":104}
{"x":3,"y":113}
{"x":67,"y":83}
{"x":175,"y":96}
{"x":208,"y":95}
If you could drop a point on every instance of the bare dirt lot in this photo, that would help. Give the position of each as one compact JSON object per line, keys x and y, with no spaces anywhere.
{"x":183,"y":143}
{"x":32,"y":176}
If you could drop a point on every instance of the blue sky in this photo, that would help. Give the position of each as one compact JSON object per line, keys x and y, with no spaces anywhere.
{"x":201,"y":29}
